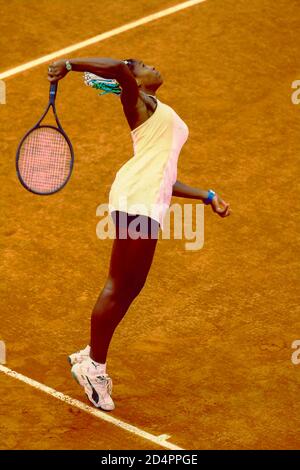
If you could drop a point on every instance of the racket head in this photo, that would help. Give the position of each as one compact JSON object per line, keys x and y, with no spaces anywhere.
{"x":44,"y":160}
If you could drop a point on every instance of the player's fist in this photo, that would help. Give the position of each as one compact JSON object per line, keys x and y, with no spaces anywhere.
{"x":57,"y":70}
{"x":219,"y":206}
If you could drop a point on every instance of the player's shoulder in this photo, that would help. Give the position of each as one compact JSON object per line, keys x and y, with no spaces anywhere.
{"x":138,"y":112}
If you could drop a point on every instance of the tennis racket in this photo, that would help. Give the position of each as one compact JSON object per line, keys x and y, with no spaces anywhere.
{"x":45,"y":155}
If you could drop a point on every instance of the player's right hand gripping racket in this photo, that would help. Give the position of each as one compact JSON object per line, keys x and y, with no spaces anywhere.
{"x":45,"y":155}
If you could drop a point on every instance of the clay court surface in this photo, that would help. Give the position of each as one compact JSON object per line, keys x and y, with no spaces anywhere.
{"x":204,"y":353}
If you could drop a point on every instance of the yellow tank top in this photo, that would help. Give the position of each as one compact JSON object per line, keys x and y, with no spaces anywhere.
{"x":144,"y":184}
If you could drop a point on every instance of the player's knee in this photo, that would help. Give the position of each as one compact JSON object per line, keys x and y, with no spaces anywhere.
{"x":125,"y":290}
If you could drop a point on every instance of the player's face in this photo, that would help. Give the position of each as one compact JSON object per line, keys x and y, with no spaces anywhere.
{"x":147,"y":74}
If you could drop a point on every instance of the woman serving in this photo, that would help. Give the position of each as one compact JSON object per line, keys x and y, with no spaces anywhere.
{"x":138,"y":200}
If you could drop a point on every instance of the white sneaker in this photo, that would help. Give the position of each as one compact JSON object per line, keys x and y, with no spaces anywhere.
{"x":98,"y":387}
{"x":79,"y":356}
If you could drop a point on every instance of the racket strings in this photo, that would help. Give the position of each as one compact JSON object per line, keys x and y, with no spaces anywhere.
{"x":45,"y":160}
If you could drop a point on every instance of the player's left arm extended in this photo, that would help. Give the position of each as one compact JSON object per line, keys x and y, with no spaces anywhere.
{"x":218,"y":205}
{"x":183,"y":190}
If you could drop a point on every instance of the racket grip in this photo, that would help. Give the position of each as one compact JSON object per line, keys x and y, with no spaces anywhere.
{"x":53,"y":90}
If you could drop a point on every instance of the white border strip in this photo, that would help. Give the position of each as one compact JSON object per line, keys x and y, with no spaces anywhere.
{"x":99,"y":38}
{"x":159,"y":440}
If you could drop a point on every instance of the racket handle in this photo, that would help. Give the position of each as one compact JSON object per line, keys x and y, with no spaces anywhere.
{"x":53,"y":90}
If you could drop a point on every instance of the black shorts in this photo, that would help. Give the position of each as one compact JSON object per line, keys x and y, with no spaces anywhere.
{"x":134,"y":226}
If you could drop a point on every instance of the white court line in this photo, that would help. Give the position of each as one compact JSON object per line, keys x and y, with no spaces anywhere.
{"x":99,"y":38}
{"x":159,"y":440}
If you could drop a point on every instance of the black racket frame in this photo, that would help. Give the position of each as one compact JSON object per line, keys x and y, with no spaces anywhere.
{"x":52,"y":97}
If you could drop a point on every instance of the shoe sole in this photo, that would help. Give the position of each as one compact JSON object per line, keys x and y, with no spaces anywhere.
{"x":75,"y":377}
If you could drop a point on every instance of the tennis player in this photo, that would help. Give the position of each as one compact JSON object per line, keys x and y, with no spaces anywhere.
{"x":146,"y":182}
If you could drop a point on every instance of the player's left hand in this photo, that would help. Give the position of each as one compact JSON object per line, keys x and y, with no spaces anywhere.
{"x":57,"y":70}
{"x":219,"y":206}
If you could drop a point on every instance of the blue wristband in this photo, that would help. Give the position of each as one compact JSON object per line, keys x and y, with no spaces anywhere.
{"x":211,"y":195}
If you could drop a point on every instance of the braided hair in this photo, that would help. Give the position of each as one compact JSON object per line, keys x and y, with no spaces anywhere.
{"x":107,"y":85}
